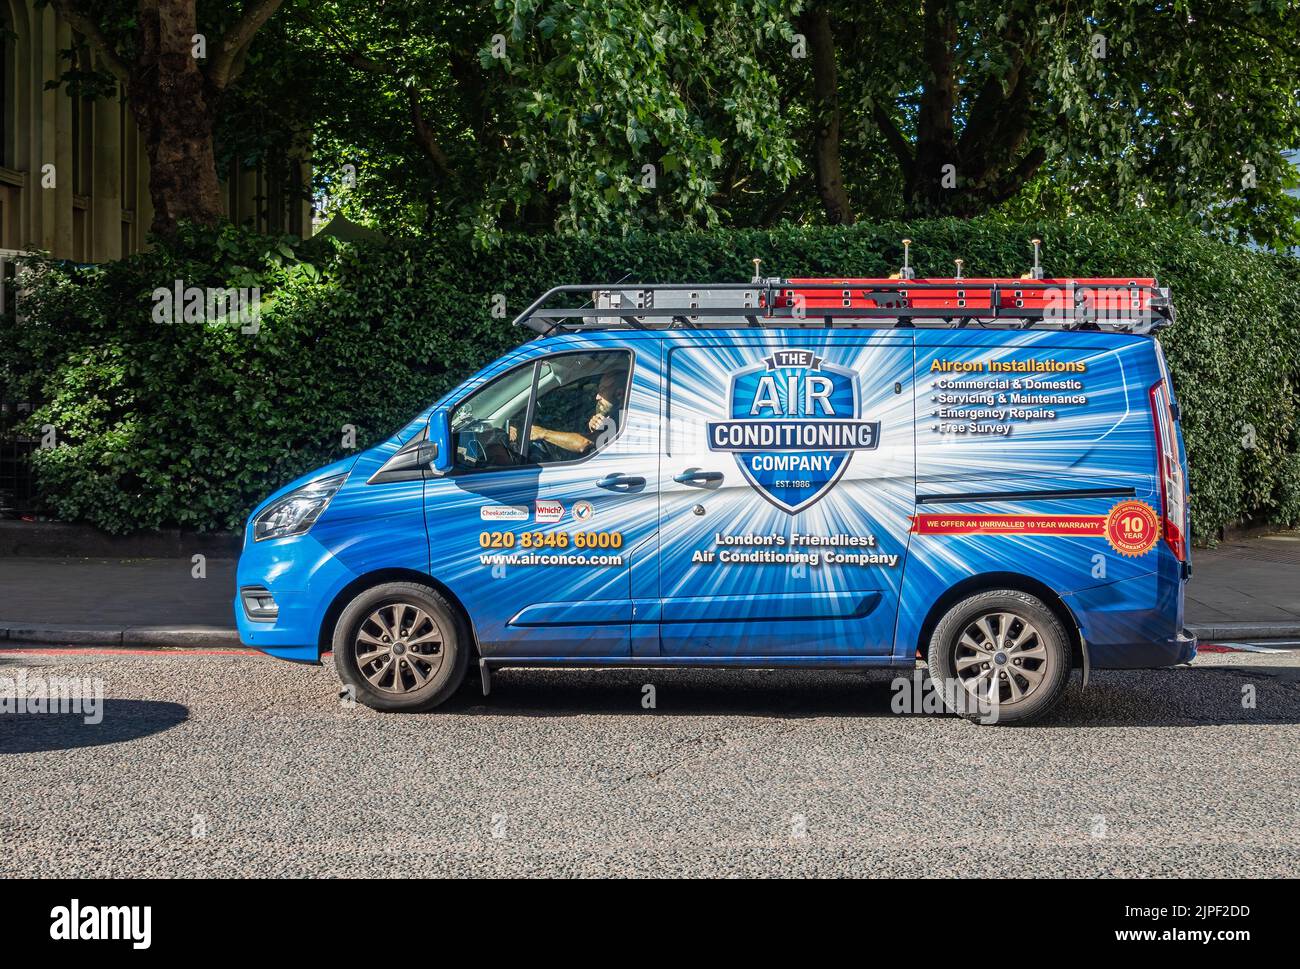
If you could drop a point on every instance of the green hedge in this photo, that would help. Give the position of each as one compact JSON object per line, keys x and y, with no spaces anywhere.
{"x":189,"y":424}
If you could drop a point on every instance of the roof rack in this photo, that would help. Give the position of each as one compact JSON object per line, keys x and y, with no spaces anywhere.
{"x":1122,"y":305}
{"x":1116,"y":304}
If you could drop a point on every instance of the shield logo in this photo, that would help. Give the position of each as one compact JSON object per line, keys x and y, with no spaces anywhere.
{"x":793,"y":426}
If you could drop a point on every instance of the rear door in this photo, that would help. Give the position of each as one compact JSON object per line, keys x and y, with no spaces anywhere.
{"x":787,"y":482}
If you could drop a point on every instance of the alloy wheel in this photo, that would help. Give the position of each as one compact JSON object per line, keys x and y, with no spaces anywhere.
{"x":1000,"y":658}
{"x":398,"y":647}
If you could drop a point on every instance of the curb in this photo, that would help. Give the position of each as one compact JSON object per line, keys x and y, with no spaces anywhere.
{"x":90,"y":635}
{"x":1282,"y":629}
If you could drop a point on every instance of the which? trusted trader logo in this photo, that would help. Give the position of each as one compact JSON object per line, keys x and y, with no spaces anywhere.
{"x":547,"y":511}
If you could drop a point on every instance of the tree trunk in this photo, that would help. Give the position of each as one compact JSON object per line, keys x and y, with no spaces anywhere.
{"x":987,"y":165}
{"x":933,"y":187}
{"x":816,"y":25}
{"x":175,"y":110}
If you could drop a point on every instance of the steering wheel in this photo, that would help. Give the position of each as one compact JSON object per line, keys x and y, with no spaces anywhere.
{"x":543,"y":452}
{"x":486,"y":442}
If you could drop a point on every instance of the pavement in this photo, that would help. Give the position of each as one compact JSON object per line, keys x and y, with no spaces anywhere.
{"x":1247,"y":588}
{"x":207,"y":764}
{"x":1241,"y":590}
{"x":117,"y":602}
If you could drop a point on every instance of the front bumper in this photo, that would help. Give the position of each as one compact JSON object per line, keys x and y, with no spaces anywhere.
{"x":303,"y":578}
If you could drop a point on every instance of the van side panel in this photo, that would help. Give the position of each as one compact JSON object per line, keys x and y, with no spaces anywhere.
{"x":793,"y":545}
{"x":1027,"y":447}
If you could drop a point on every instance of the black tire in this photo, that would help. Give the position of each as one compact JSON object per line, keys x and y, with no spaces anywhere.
{"x":422,"y":619}
{"x":965,"y":664}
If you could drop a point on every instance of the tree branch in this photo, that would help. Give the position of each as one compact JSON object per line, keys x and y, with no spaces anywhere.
{"x":893,"y":137}
{"x":994,"y":99}
{"x":1014,"y":180}
{"x":777,"y":206}
{"x":424,"y":136}
{"x":222,"y":69}
{"x":79,"y":20}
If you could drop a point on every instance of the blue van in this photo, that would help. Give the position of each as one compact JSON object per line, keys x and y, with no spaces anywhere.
{"x":836,"y":473}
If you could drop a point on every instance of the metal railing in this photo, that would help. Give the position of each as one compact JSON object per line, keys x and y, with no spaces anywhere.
{"x":17,"y":484}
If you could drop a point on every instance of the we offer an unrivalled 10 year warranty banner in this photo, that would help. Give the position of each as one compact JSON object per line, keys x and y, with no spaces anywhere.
{"x":1131,"y":527}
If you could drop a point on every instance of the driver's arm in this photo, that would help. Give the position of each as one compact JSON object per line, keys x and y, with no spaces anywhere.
{"x":568,"y":440}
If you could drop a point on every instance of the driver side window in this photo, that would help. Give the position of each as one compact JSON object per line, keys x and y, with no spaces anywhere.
{"x":486,"y":426}
{"x":555,"y":409}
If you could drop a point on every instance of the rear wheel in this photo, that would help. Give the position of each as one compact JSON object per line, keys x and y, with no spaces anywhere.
{"x":401,"y":646}
{"x":1000,"y":655}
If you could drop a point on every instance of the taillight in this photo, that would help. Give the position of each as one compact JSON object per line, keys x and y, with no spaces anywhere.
{"x":1173,"y":497}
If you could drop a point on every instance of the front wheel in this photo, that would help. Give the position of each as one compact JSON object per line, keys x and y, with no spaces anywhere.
{"x":400,"y":646}
{"x":1000,"y":656}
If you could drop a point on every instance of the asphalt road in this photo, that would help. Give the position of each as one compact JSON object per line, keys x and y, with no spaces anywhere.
{"x":240,"y":765}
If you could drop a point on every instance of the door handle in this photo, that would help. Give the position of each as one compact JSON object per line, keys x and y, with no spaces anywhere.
{"x":696,"y":476}
{"x":621,"y":482}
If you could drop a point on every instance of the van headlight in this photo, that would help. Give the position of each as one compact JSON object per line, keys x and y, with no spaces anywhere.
{"x":296,"y":512}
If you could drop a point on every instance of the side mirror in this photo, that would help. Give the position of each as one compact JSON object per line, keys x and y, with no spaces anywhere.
{"x":436,"y":453}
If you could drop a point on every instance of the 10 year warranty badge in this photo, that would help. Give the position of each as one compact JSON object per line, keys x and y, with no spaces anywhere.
{"x":1132,"y":528}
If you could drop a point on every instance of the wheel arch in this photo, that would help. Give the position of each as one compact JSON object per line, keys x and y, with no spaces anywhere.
{"x":325,"y":635}
{"x":986,"y":581}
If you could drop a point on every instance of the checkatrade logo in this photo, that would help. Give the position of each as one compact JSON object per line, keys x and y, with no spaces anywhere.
{"x":794,"y":427}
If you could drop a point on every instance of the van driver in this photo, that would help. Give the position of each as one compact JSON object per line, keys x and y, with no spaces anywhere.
{"x":608,"y":405}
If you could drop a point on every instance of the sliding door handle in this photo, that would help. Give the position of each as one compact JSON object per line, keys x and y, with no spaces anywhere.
{"x":696,"y":476}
